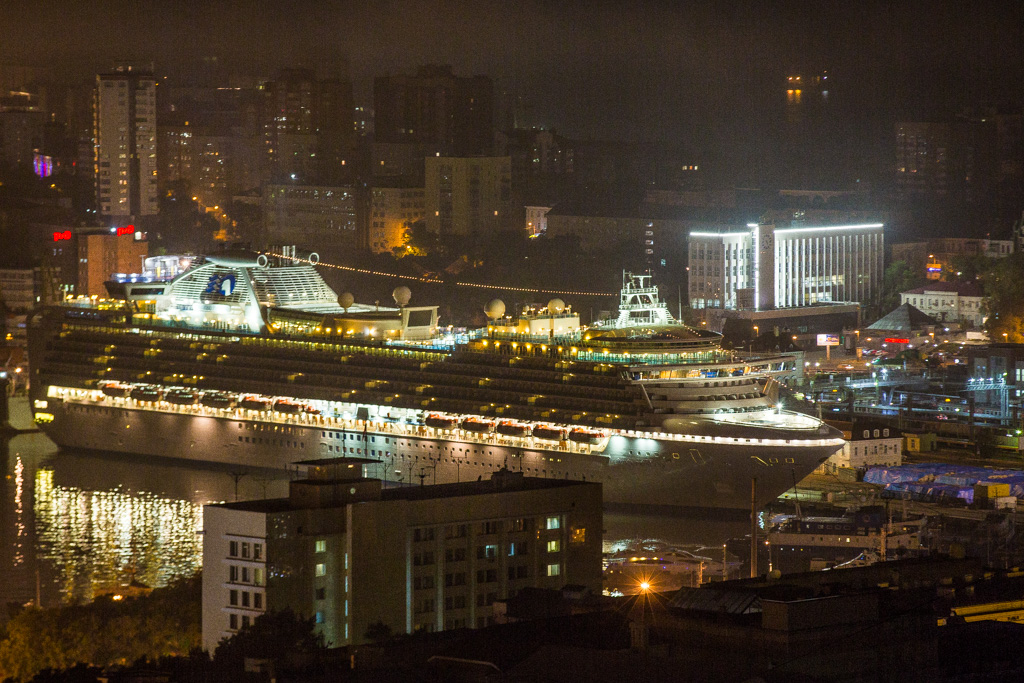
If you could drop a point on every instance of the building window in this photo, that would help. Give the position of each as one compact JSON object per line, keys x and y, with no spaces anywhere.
{"x":554,"y":523}
{"x":245,"y":550}
{"x":419,"y":535}
{"x":554,"y":569}
{"x":233,"y":549}
{"x":246,"y":621}
{"x":233,"y":574}
{"x":245,"y":598}
{"x":578,"y":535}
{"x":257,"y":600}
{"x":553,"y":546}
{"x":233,"y":597}
{"x":257,"y":576}
{"x":487,"y":552}
{"x":245,"y":575}
{"x":233,"y":622}
{"x":488,"y":528}
{"x":321,"y":593}
{"x":257,"y":551}
{"x":320,"y":569}
{"x":320,"y":546}
{"x":319,"y":617}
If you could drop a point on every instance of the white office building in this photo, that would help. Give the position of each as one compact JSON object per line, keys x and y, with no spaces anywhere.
{"x":764,"y":267}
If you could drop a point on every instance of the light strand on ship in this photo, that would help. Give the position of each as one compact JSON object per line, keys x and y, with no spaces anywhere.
{"x":506,"y":288}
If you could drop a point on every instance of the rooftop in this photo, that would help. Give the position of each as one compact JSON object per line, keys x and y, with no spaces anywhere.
{"x":960,"y":288}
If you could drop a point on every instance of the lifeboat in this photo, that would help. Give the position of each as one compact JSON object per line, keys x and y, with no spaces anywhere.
{"x":254,"y":403}
{"x":146,"y":394}
{"x":310,"y":410}
{"x":215,"y":399}
{"x":548,"y":432}
{"x":115,"y":389}
{"x":475,"y":424}
{"x":181,"y":397}
{"x":509,"y":428}
{"x":590,"y":436}
{"x":441,"y":422}
{"x":285,"y":406}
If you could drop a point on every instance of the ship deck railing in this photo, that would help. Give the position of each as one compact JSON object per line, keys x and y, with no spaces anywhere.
{"x":401,"y":428}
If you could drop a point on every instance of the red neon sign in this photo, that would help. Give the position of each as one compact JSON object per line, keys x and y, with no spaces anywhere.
{"x":126,"y":230}
{"x":60,"y":236}
{"x":896,"y":340}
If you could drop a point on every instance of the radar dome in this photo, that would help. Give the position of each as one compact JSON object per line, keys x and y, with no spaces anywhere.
{"x":556,"y":306}
{"x":494,"y":309}
{"x":345,"y":300}
{"x":402,"y":296}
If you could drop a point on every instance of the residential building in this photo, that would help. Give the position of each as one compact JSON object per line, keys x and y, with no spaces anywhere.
{"x":22,"y":129}
{"x":350,"y":554}
{"x":536,"y":220}
{"x":436,"y":108}
{"x":124,"y":143}
{"x":765,"y":267}
{"x":467,"y":195}
{"x":313,"y":216}
{"x":960,"y":302}
{"x":105,"y":251}
{"x":392,"y":211}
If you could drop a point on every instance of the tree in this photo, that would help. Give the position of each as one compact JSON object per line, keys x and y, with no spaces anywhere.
{"x":1003,"y":283}
{"x":898,"y":277}
{"x":273,"y":635}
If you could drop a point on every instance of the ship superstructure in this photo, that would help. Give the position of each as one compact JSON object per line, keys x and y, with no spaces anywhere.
{"x":252,"y":359}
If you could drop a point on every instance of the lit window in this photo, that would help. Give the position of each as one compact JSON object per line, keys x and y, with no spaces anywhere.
{"x":578,"y":535}
{"x":321,"y":546}
{"x":554,"y":523}
{"x":553,"y":546}
{"x":554,"y":569}
{"x":321,"y":570}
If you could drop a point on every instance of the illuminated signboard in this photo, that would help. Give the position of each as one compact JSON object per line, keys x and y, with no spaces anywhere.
{"x":896,"y":340}
{"x":126,"y":230}
{"x":61,"y":236}
{"x":828,"y":340}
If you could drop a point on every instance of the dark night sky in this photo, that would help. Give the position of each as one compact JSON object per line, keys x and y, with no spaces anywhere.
{"x":669,"y":71}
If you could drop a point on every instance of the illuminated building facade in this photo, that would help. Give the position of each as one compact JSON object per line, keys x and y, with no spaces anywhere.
{"x":348,"y":554}
{"x":124,"y":139}
{"x":949,"y":301}
{"x":392,"y":210}
{"x":765,"y":267}
{"x":467,"y":195}
{"x":103,"y":252}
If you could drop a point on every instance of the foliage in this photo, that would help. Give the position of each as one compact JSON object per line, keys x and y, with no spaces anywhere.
{"x":378,"y":632}
{"x":103,"y":633}
{"x":273,"y":635}
{"x":898,"y":277}
{"x":1003,"y":282}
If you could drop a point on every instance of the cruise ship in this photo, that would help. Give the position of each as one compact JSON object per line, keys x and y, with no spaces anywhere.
{"x":253,"y":359}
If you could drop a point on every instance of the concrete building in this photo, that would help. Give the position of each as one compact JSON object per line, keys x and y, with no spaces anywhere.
{"x":467,"y":195}
{"x":959,"y":302}
{"x":124,"y":140}
{"x":312,"y":216}
{"x":22,"y":129}
{"x":937,"y":256}
{"x":536,"y":220}
{"x":765,"y":267}
{"x":392,"y":210}
{"x":103,"y":252}
{"x":867,"y":445}
{"x":349,"y":554}
{"x":435,"y":108}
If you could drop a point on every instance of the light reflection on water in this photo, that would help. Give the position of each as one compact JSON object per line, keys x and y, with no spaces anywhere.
{"x":99,"y":540}
{"x":76,"y":524}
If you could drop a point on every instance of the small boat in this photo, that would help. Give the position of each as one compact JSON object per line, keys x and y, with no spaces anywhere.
{"x":254,"y":403}
{"x":441,"y":422}
{"x":215,"y":399}
{"x":115,"y":389}
{"x":475,"y":424}
{"x":146,"y":394}
{"x":591,"y":436}
{"x":509,"y":428}
{"x":181,"y":397}
{"x":310,"y":410}
{"x":548,"y":432}
{"x":285,"y":406}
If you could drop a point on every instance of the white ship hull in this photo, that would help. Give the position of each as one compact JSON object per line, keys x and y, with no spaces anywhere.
{"x":640,"y":471}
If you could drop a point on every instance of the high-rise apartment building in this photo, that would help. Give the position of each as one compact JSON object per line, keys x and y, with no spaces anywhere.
{"x":349,"y":554}
{"x":468,"y":195}
{"x":765,"y":267}
{"x":436,"y":108}
{"x":392,"y":211}
{"x":124,"y":143}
